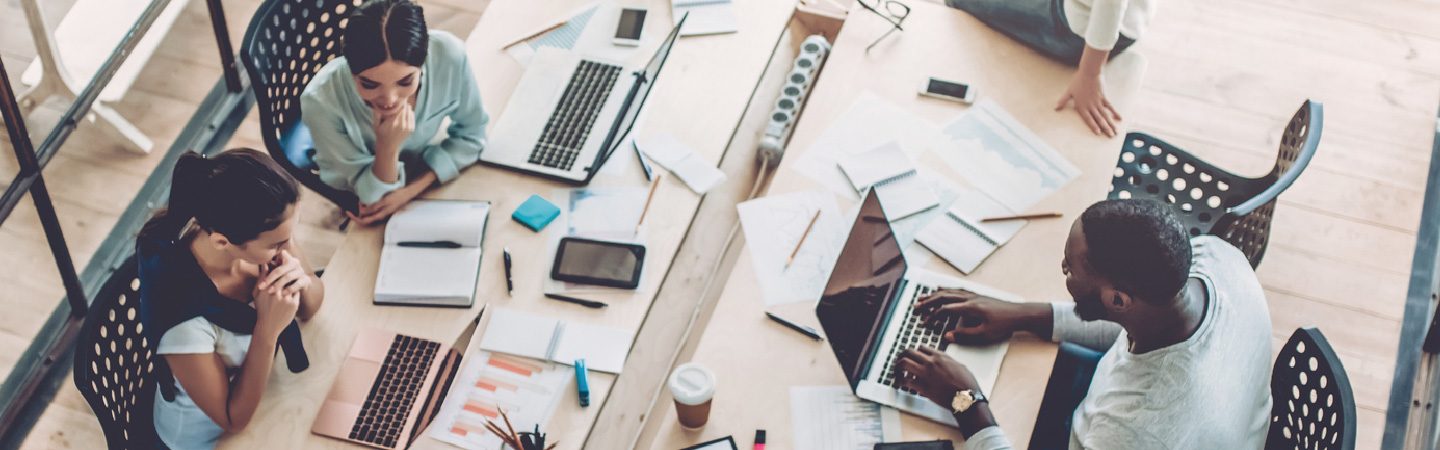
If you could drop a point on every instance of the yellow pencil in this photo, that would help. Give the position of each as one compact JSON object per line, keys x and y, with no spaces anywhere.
{"x":802,"y":239}
{"x":537,"y":33}
{"x":653,"y":185}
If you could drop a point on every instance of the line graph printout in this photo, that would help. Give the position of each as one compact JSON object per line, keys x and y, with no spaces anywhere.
{"x":1001,"y":157}
{"x":774,"y":225}
{"x":528,"y":391}
{"x":833,"y":418}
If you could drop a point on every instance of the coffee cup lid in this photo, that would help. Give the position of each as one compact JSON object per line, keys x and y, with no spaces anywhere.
{"x":692,"y":384}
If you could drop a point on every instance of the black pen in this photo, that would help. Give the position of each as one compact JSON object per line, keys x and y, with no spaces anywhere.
{"x":509,"y":283}
{"x":578,"y":301}
{"x":797,"y":327}
{"x":430,"y":244}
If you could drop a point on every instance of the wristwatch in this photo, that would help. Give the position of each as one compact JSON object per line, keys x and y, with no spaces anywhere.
{"x":966,"y":398}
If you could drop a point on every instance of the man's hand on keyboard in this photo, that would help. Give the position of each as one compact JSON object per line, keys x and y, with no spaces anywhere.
{"x":977,"y":319}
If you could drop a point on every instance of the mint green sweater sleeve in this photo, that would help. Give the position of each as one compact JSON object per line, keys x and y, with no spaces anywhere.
{"x":468,"y":120}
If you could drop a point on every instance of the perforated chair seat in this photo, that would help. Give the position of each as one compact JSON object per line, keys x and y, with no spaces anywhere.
{"x":1314,"y":407}
{"x":113,"y":363}
{"x":1212,"y":201}
{"x":287,"y":43}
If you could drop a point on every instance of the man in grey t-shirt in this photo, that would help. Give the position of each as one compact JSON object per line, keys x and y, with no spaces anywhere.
{"x":1183,"y":324}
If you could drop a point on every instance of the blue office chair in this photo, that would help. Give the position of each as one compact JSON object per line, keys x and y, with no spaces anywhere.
{"x":1210,"y":200}
{"x":287,"y":43}
{"x":113,"y":363}
{"x":1314,"y":407}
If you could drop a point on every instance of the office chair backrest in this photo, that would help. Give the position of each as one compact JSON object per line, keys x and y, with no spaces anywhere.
{"x":1314,"y":407}
{"x":1212,"y":201}
{"x":113,"y":368}
{"x":287,"y":43}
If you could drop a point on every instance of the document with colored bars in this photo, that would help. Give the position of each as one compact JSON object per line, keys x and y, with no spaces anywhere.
{"x":528,"y":391}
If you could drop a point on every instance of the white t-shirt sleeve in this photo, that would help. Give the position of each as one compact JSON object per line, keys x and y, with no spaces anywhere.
{"x":196,"y":335}
{"x":1096,"y":335}
{"x":990,"y":438}
{"x":1104,"y":28}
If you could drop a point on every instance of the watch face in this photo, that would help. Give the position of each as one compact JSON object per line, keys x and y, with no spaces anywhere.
{"x":962,"y":401}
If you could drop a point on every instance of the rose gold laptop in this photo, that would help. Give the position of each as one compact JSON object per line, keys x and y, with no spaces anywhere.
{"x":389,"y":388}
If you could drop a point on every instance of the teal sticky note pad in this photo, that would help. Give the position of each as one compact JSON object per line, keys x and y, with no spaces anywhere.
{"x":536,"y":213}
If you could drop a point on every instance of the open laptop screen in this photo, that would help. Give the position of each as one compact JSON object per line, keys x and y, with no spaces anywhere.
{"x":861,"y":289}
{"x":635,"y":99}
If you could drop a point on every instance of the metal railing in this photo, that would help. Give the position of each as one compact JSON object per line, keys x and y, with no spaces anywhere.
{"x":45,"y":364}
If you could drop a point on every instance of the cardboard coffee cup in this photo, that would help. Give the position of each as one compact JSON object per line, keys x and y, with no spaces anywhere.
{"x":693,"y":387}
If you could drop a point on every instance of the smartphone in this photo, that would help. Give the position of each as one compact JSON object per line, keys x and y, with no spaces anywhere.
{"x":947,"y":90}
{"x":603,"y":263}
{"x":632,"y":21}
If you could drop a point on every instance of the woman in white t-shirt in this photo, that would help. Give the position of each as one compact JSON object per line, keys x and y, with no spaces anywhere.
{"x":221,"y":283}
{"x":1082,"y":33}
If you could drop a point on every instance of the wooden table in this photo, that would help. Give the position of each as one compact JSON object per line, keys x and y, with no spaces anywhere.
{"x":699,"y":99}
{"x":757,"y":362}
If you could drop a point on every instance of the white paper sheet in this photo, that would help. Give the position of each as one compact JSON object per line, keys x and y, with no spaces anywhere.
{"x":681,"y":160}
{"x":893,"y":176}
{"x":706,"y":16}
{"x":833,"y":418}
{"x":998,"y":155}
{"x":869,"y":123}
{"x":603,"y":348}
{"x":528,"y":390}
{"x":774,"y":225}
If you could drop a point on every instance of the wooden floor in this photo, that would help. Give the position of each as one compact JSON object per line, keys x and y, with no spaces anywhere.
{"x":1224,"y":76}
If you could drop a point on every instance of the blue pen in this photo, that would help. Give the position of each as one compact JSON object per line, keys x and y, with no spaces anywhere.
{"x":582,"y":382}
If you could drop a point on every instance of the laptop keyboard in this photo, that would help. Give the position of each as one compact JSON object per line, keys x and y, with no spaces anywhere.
{"x":913,"y":334}
{"x":393,"y":394}
{"x":575,"y":115}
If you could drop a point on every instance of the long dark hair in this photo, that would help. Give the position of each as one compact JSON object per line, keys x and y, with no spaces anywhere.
{"x":380,"y":30}
{"x":239,"y":193}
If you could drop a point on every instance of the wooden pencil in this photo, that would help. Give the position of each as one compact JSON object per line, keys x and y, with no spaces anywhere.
{"x":1022,"y":217}
{"x":653,"y":186}
{"x":791,"y":259}
{"x":537,"y":33}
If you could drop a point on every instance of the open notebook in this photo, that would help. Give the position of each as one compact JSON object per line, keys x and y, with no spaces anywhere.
{"x":432,"y":254}
{"x":893,"y":176}
{"x":547,"y":338}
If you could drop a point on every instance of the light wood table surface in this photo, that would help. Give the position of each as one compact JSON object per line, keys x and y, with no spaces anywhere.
{"x":699,"y":98}
{"x":757,"y":361}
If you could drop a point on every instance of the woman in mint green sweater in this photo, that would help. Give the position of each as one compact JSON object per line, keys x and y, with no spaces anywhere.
{"x":375,"y":111}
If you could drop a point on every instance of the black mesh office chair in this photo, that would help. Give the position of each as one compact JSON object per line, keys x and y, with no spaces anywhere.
{"x":1314,"y":406}
{"x":288,"y":41}
{"x":113,"y":364}
{"x":1210,"y":200}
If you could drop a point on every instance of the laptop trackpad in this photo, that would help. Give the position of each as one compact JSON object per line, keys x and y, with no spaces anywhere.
{"x":354,"y":382}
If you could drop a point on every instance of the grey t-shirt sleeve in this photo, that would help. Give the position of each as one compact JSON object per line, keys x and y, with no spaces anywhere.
{"x":1096,"y":335}
{"x":990,"y":438}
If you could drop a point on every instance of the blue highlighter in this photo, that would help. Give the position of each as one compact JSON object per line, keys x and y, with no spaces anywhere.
{"x":582,"y":382}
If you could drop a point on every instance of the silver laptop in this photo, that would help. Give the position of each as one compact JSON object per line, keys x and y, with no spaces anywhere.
{"x":867,"y":311}
{"x":570,"y":113}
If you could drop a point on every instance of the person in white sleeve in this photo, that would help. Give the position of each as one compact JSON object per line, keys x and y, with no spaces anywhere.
{"x":1082,"y":33}
{"x":1181,"y":322}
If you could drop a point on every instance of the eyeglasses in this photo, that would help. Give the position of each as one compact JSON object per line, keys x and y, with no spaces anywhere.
{"x":894,"y":12}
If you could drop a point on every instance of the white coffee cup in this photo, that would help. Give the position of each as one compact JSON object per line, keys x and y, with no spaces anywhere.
{"x":693,"y":387}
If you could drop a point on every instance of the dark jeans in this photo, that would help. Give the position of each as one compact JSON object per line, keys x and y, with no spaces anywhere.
{"x":1069,"y":382}
{"x":1039,"y":24}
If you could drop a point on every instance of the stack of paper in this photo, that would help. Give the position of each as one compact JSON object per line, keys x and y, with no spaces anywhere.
{"x":893,"y":176}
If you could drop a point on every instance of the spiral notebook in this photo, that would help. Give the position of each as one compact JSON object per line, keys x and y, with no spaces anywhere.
{"x":961,"y":239}
{"x":889,"y":171}
{"x":549,"y":339}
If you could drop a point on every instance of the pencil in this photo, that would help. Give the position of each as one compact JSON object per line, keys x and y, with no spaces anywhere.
{"x":1022,"y":217}
{"x":537,"y":33}
{"x":653,"y":186}
{"x":791,"y":259}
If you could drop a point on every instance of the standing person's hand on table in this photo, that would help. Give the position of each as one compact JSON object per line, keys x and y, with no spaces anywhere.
{"x":1087,"y":92}
{"x":939,"y":377}
{"x":979,"y":319}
